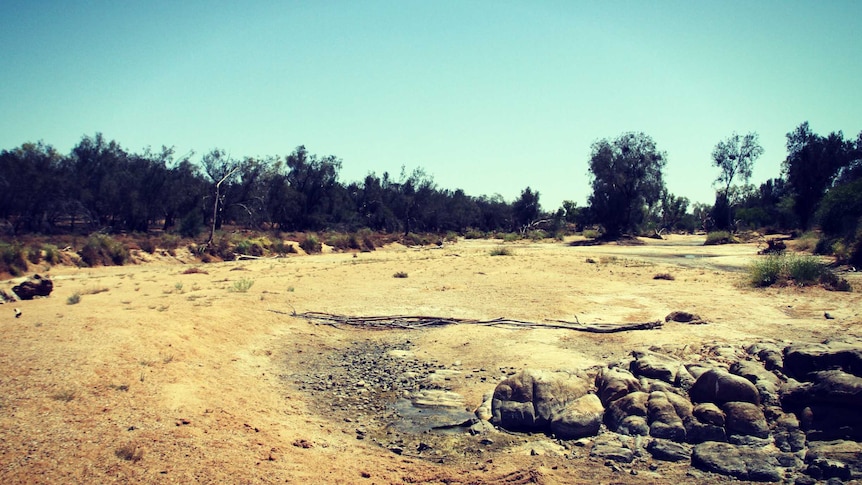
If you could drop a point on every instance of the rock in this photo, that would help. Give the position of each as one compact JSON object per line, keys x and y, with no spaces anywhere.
{"x":663,"y":419}
{"x":753,"y":371}
{"x":709,"y":413}
{"x":846,"y":452}
{"x":697,"y":432}
{"x":528,"y":400}
{"x":801,"y":360}
{"x":743,"y":463}
{"x":633,"y":426}
{"x":720,"y":386}
{"x":787,"y":433}
{"x":632,"y":404}
{"x":483,"y":412}
{"x":669,"y":451}
{"x":683,"y":317}
{"x":684,"y":379}
{"x":613,"y":383}
{"x":33,"y":287}
{"x":828,"y":406}
{"x":612,"y":452}
{"x":580,"y":418}
{"x":745,"y":418}
{"x":655,"y":366}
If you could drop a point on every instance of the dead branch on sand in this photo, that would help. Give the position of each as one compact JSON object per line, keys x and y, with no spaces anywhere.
{"x":418,"y":321}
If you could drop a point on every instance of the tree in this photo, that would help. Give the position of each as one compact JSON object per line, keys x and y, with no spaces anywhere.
{"x":735,"y":157}
{"x":811,"y":166}
{"x":220,"y":168}
{"x":673,"y":210}
{"x":627,"y":177}
{"x":526,"y":209}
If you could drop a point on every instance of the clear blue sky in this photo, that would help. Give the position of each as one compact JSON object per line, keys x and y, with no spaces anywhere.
{"x":489,"y":96}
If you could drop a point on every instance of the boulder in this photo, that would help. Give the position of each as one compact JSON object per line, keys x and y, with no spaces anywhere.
{"x":663,"y":418}
{"x":654,"y":366}
{"x":527,"y":401}
{"x":669,"y":451}
{"x":801,"y":360}
{"x":745,"y":418}
{"x":631,"y":405}
{"x":37,"y":286}
{"x":618,"y":454}
{"x":709,"y":413}
{"x":848,"y":453}
{"x":613,"y":383}
{"x":787,"y":433}
{"x":753,"y":464}
{"x":697,"y":432}
{"x":719,"y":386}
{"x":580,"y":418}
{"x":828,"y":407}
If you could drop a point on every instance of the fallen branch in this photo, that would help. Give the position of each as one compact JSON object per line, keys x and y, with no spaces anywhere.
{"x":419,"y":321}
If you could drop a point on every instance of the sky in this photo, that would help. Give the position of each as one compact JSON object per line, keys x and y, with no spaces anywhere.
{"x":487,"y":96}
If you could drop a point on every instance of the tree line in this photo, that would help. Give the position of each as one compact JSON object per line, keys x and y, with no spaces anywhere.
{"x":101,"y":186}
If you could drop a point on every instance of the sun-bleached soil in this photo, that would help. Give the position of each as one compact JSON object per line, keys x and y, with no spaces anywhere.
{"x":157,"y":376}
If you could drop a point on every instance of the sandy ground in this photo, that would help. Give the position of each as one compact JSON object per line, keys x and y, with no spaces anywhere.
{"x":156,"y":376}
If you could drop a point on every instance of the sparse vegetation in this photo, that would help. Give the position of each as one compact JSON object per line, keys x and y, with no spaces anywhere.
{"x":12,"y":259}
{"x":798,"y":270}
{"x":400,"y":274}
{"x":501,"y":251}
{"x":65,"y":395}
{"x":130,"y":452}
{"x":311,"y":244}
{"x":664,"y":276}
{"x":74,"y":299}
{"x":102,"y":249}
{"x":242,"y":285}
{"x":719,"y":237}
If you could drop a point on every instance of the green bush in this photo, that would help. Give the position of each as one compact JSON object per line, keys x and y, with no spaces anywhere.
{"x":102,"y":249}
{"x":310,"y":244}
{"x":590,"y":233}
{"x":242,"y":285}
{"x":719,"y":237}
{"x":511,"y":237}
{"x":51,"y":253}
{"x":802,"y":270}
{"x":474,"y":234}
{"x":12,"y":259}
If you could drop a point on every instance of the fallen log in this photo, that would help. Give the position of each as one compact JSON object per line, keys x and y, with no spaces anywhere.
{"x":422,"y":321}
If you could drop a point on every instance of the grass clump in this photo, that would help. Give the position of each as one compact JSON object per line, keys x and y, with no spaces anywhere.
{"x":501,"y":251}
{"x":719,"y":237}
{"x":13,"y":259}
{"x":74,"y":299}
{"x":130,"y":453}
{"x":242,"y":285}
{"x":804,"y":270}
{"x":311,"y":244}
{"x":664,"y":276}
{"x":400,"y":274}
{"x":102,"y":249}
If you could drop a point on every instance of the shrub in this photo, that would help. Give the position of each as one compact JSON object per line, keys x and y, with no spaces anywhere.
{"x":664,"y":276}
{"x":590,"y":233}
{"x":511,"y":237}
{"x":474,"y":234}
{"x":242,"y":285}
{"x":310,"y":244}
{"x":12,"y":259}
{"x":501,"y":251}
{"x":719,"y":237}
{"x":74,"y":299}
{"x":102,"y":249}
{"x":537,"y":235}
{"x":800,"y":270}
{"x":51,"y":253}
{"x":281,"y":247}
{"x":400,"y":274}
{"x":807,"y":241}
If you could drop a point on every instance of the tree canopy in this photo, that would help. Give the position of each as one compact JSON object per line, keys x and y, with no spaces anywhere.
{"x":626,"y":181}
